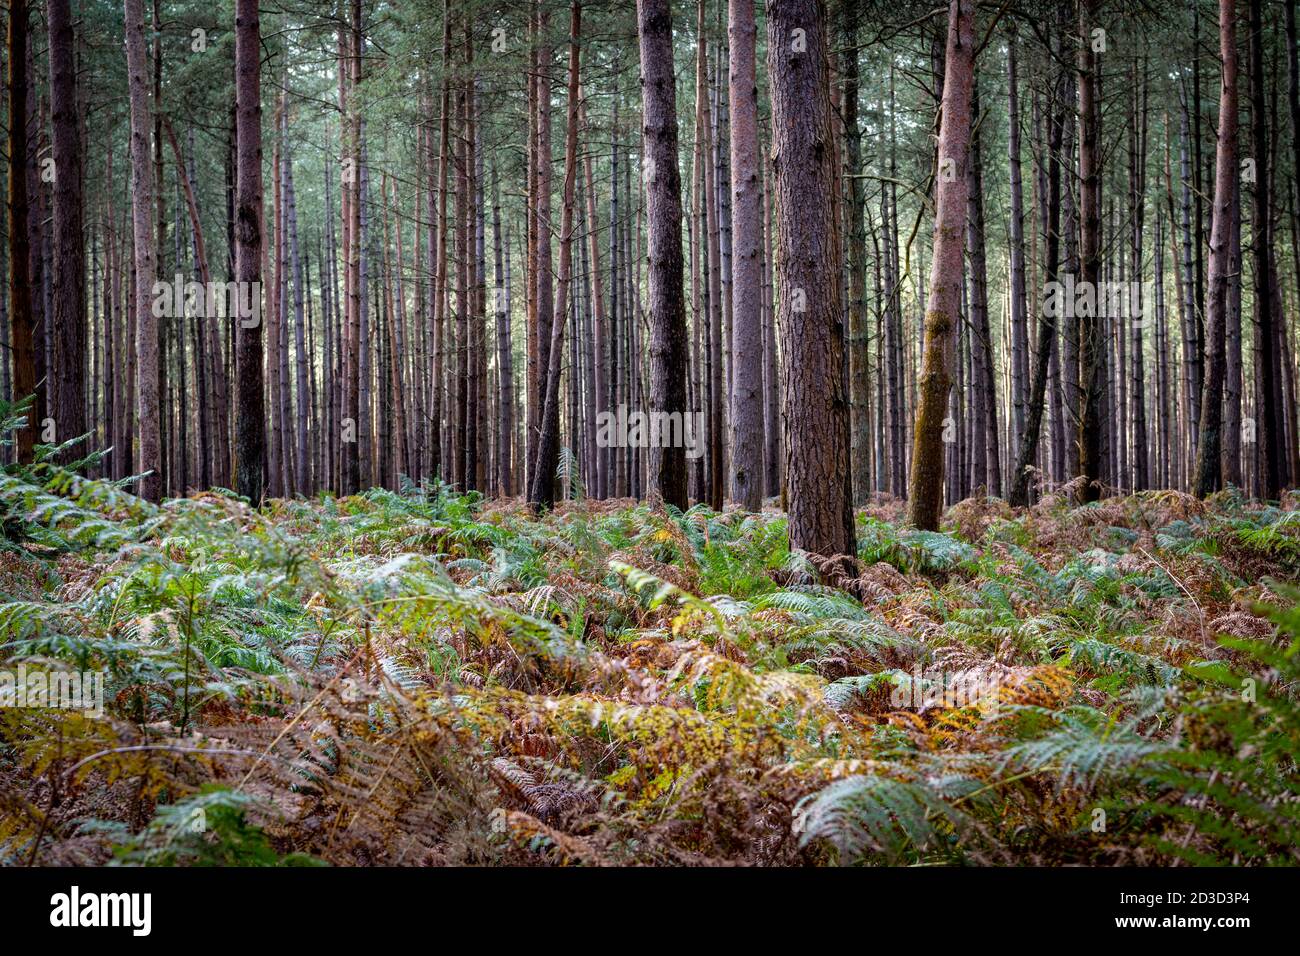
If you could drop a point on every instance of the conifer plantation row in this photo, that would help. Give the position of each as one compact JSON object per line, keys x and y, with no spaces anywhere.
{"x":672,"y":432}
{"x":460,"y":234}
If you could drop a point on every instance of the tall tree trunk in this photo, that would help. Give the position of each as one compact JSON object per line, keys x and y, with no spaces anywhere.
{"x":1028,"y":446}
{"x":438,"y":465}
{"x":302,"y":474}
{"x":1209,"y":475}
{"x":1091,"y":329}
{"x":20,"y":290}
{"x":149,"y":456}
{"x":815,"y":406}
{"x":746,"y":288}
{"x":925,"y":487}
{"x":545,"y":292}
{"x":668,"y":342}
{"x":1137,"y":220}
{"x":69,"y":372}
{"x":542,"y":493}
{"x":771,"y":373}
{"x":505,"y":367}
{"x":599,"y":341}
{"x":986,"y":448}
{"x":1019,"y":320}
{"x":250,"y":410}
{"x":1269,"y":435}
{"x":1232,"y":382}
{"x":859,"y":357}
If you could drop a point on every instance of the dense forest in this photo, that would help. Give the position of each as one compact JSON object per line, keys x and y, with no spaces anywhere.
{"x":681,"y":432}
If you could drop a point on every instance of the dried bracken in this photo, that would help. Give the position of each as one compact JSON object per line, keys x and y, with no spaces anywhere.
{"x":423,"y":679}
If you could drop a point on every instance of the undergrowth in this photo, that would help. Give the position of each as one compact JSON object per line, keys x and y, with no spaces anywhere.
{"x":428,"y":678}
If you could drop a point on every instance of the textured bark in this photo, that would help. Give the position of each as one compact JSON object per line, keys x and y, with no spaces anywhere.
{"x":925,"y":487}
{"x":149,"y":451}
{"x":1091,"y":330}
{"x":542,"y":493}
{"x":1019,"y":325}
{"x":771,"y":373}
{"x":599,"y":344}
{"x":459,"y":390}
{"x":815,"y":404}
{"x":1164,"y":443}
{"x":250,"y":409}
{"x":1209,"y":475}
{"x":365,"y":317}
{"x":68,"y":376}
{"x":1190,"y":303}
{"x":668,"y":343}
{"x":1293,"y":107}
{"x":20,"y":290}
{"x":1137,"y":219}
{"x":712,"y":266}
{"x":1232,"y":381}
{"x":438,"y":464}
{"x":617,"y":460}
{"x":1270,"y":436}
{"x":542,"y":264}
{"x":505,"y":367}
{"x":859,"y":358}
{"x":746,"y":288}
{"x":351,"y":437}
{"x":37,"y":242}
{"x":1028,"y":445}
{"x":302,"y":473}
{"x":277,"y":319}
{"x":986,"y":458}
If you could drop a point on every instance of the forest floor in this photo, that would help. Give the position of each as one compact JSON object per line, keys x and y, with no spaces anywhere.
{"x":427,"y":678}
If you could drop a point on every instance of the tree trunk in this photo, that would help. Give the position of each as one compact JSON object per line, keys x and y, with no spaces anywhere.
{"x":1019,"y":321}
{"x":69,"y":319}
{"x":925,"y":488}
{"x":985,"y":447}
{"x":149,"y":453}
{"x":1137,"y":219}
{"x":1269,"y":434}
{"x":1028,"y":446}
{"x":505,"y":367}
{"x":1091,"y":329}
{"x":20,"y":290}
{"x":250,"y":411}
{"x":668,"y":342}
{"x":1209,"y":475}
{"x":815,"y":405}
{"x":542,"y":493}
{"x":746,"y":287}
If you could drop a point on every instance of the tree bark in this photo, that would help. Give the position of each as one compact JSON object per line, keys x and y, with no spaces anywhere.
{"x":20,"y":290}
{"x":1269,"y":435}
{"x":542,"y":493}
{"x":668,"y":342}
{"x":149,"y":453}
{"x":250,"y":411}
{"x":925,"y":487}
{"x":69,"y":319}
{"x":746,"y":286}
{"x":1091,"y":330}
{"x":1028,"y":446}
{"x":1209,"y":474}
{"x":815,"y":403}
